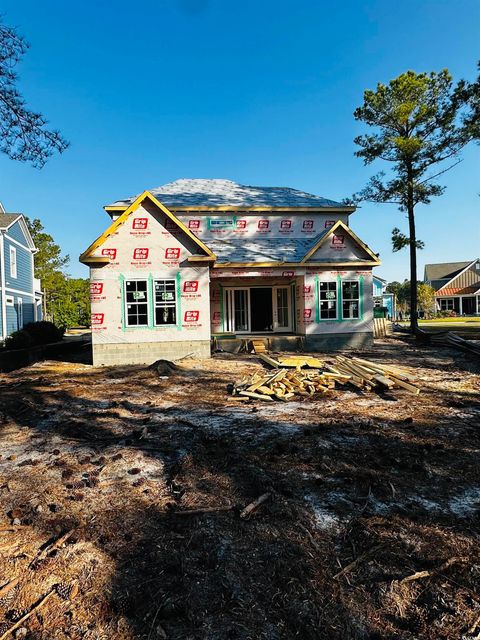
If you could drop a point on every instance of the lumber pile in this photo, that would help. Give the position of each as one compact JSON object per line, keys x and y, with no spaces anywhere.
{"x":294,"y":376}
{"x":454,"y":340}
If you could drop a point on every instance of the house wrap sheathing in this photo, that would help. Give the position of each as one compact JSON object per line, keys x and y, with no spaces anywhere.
{"x":197,"y":259}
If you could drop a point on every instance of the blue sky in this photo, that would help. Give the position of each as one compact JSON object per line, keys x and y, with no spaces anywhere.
{"x":259,"y":91}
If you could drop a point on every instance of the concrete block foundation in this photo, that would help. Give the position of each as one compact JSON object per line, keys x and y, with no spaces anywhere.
{"x":148,"y":352}
{"x":335,"y":341}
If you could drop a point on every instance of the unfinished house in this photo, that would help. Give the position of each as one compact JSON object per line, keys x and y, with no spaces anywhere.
{"x":201,"y":260}
{"x":457,"y":286}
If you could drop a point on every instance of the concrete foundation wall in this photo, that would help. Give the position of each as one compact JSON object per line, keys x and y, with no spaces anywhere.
{"x":148,"y":352}
{"x":334,"y":341}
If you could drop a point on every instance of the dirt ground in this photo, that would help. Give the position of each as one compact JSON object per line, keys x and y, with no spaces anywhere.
{"x":365,"y":490}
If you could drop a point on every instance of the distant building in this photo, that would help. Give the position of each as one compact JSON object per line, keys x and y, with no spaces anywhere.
{"x":457,"y":286}
{"x":200,"y":259}
{"x":20,"y":291}
{"x":381,"y":298}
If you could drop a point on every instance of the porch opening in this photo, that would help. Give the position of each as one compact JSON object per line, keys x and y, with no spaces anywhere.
{"x":259,"y":309}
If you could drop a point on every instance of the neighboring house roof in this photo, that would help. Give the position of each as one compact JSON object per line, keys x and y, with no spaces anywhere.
{"x":210,"y":194}
{"x":375,"y":277}
{"x":445,"y":270}
{"x":7,"y":219}
{"x":455,"y":291}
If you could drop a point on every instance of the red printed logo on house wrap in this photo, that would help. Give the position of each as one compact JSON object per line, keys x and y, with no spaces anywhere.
{"x":111,"y":253}
{"x":191,"y":316}
{"x":241,"y":224}
{"x":307,"y":288}
{"x":140,"y":254}
{"x":216,"y":316}
{"x":338,"y":241}
{"x":190,"y":286}
{"x":307,"y":314}
{"x":285,"y":224}
{"x":194,"y":224}
{"x":263,"y":224}
{"x":288,"y":274}
{"x":173,"y":253}
{"x":96,"y":288}
{"x":140,"y":223}
{"x":329,"y":223}
{"x":97,"y":318}
{"x":308,"y":225}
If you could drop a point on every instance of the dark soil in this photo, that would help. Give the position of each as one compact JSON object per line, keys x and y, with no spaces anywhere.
{"x":365,"y":491}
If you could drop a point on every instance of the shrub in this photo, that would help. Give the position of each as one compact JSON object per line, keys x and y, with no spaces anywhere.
{"x":44,"y":332}
{"x":19,"y":340}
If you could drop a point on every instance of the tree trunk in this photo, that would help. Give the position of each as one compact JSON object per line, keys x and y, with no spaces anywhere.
{"x":413,"y":253}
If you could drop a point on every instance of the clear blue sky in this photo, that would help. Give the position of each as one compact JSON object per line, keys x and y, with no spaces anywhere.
{"x":257,"y":91}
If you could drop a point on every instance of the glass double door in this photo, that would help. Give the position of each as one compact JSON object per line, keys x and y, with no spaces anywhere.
{"x":258,"y":309}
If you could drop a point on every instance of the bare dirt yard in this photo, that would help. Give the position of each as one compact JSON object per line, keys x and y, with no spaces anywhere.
{"x":370,"y":531}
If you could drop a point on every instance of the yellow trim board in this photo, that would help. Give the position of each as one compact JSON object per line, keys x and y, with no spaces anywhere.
{"x":302,"y":210}
{"x":235,"y":265}
{"x":146,"y":195}
{"x":333,"y":228}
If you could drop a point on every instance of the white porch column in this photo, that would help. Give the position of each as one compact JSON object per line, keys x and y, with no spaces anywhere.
{"x":461,"y":305}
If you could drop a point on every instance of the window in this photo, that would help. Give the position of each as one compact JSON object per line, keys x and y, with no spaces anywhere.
{"x":328,"y":300}
{"x":350,"y":300}
{"x":20,"y":313}
{"x":447,"y":304}
{"x":136,"y":302}
{"x":477,"y":266}
{"x":13,"y":262}
{"x":165,"y":302}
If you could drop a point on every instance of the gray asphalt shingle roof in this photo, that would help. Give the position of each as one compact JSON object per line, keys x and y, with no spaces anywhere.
{"x":6,"y":219}
{"x":444,"y":270}
{"x":218,"y":193}
{"x":262,"y":249}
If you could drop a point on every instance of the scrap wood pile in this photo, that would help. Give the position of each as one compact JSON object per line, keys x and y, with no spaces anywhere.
{"x":306,"y":376}
{"x":454,"y":340}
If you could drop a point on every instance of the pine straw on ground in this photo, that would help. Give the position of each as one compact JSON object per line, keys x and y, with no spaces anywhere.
{"x":366,"y":491}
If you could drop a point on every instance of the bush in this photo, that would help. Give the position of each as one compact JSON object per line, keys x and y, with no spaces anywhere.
{"x":44,"y":332}
{"x":19,"y":340}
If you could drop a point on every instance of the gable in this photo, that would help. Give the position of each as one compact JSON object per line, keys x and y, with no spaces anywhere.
{"x":144,"y":233}
{"x":466,"y":279}
{"x":340,"y":244}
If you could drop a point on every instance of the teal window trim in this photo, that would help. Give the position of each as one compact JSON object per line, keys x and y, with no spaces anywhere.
{"x":317,"y":301}
{"x":360,"y":298}
{"x":151,"y":304}
{"x":150,"y":300}
{"x":179,"y":302}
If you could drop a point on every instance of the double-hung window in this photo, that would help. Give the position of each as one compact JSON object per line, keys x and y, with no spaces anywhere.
{"x":136,"y":303}
{"x":350,"y":299}
{"x":328,"y":300}
{"x":13,"y":262}
{"x":165,"y":307}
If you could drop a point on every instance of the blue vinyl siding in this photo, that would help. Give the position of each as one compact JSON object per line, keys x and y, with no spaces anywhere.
{"x":377,"y":287}
{"x":15,"y":232}
{"x":24,"y":279}
{"x":13,"y":320}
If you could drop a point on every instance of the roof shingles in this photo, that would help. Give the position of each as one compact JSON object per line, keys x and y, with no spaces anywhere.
{"x":226,"y":193}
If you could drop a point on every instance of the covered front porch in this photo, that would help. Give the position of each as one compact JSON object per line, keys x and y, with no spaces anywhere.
{"x":462,"y":305}
{"x":266,"y":305}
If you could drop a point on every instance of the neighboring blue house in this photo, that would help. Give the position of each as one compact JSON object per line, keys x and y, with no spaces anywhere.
{"x":20,"y":291}
{"x":383,"y":299}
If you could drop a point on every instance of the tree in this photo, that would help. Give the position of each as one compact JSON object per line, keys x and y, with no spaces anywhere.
{"x":71,"y":305}
{"x":49,"y":263}
{"x":23,"y":133}
{"x":419,"y":122}
{"x":426,"y":297}
{"x":393,"y":287}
